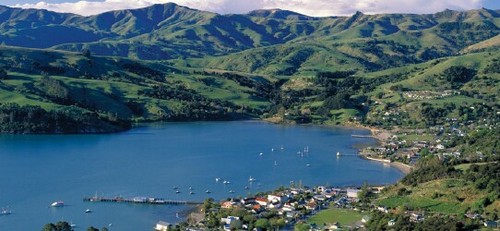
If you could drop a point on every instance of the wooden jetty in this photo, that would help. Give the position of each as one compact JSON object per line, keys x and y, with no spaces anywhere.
{"x":140,"y":200}
{"x":362,"y":136}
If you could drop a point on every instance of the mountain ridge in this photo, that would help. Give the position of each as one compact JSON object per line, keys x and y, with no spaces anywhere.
{"x":175,"y":31}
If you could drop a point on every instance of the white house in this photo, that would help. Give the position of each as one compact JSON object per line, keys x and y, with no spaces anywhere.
{"x":229,"y":219}
{"x":352,"y":193}
{"x":162,"y":226}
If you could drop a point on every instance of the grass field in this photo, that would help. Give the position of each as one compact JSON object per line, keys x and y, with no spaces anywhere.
{"x":342,"y":216}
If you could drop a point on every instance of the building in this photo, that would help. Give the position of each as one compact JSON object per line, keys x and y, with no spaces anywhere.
{"x":352,"y":193}
{"x":490,"y":224}
{"x":391,"y":223}
{"x":162,"y":226}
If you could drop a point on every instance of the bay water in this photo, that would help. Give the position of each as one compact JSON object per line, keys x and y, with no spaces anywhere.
{"x":151,"y":160}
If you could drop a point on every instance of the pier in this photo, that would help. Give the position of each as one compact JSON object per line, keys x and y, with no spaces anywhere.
{"x":140,"y":200}
{"x":362,"y":136}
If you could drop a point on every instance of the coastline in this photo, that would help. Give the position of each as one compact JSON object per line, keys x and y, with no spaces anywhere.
{"x":382,"y":136}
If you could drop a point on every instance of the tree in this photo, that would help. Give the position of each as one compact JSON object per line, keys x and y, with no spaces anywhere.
{"x":364,"y":193}
{"x":59,"y":226}
{"x":262,"y":223}
{"x":3,"y":74}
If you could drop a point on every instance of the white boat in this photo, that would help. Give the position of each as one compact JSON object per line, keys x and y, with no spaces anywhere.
{"x":57,"y":204}
{"x":177,"y":191}
{"x":226,"y":182}
{"x":217,"y":179}
{"x":261,"y":154}
{"x":231,"y":191}
{"x":308,"y":165}
{"x":338,"y":153}
{"x":5,"y":212}
{"x":282,"y":147}
{"x":207,"y":191}
{"x":191,"y":192}
{"x":88,"y":211}
{"x":251,"y":179}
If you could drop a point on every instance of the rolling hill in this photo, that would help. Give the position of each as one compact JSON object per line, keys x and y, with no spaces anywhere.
{"x":169,"y":62}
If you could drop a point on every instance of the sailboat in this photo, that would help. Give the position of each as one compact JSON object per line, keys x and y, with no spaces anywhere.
{"x":338,"y":153}
{"x":251,"y":179}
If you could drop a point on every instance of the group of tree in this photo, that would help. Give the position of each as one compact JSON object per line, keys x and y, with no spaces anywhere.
{"x":429,"y":168}
{"x":34,"y":119}
{"x":65,"y":226}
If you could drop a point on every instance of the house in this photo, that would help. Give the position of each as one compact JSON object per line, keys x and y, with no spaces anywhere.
{"x":352,"y":193}
{"x":277,"y":198}
{"x":334,"y":226}
{"x":229,"y":219}
{"x":257,"y":208}
{"x":261,"y":201}
{"x":472,"y":216}
{"x":415,"y":217}
{"x":382,"y":209}
{"x":226,"y":205}
{"x":365,"y":219}
{"x":391,"y":223}
{"x":490,"y":224}
{"x":162,"y":226}
{"x":247,"y":201}
{"x":311,"y":205}
{"x":288,"y":207}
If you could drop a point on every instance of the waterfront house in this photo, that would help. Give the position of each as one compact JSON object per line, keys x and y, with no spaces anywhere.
{"x":261,"y":201}
{"x":162,"y":226}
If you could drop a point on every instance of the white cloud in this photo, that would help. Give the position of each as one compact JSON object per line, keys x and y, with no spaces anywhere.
{"x":308,"y":7}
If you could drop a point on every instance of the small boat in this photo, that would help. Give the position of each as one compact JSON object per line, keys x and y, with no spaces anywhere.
{"x":338,"y":153}
{"x":175,"y":187}
{"x":247,"y":188}
{"x":57,"y":204}
{"x":88,"y":211}
{"x":5,"y":212}
{"x":282,"y":147}
{"x":231,"y":191}
{"x":177,"y":191}
{"x":261,"y":154}
{"x":226,"y":182}
{"x":272,"y":149}
{"x":251,"y":179}
{"x":191,"y":192}
{"x":73,"y":225}
{"x":217,"y":179}
{"x":207,"y":191}
{"x":308,"y":165}
{"x":275,"y":163}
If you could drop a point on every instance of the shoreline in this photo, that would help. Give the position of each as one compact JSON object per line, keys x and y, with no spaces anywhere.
{"x":382,"y":135}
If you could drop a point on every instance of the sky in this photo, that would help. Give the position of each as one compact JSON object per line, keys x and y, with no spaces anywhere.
{"x":307,"y":7}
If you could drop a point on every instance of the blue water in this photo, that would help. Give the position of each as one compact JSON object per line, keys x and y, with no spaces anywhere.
{"x":36,"y":170}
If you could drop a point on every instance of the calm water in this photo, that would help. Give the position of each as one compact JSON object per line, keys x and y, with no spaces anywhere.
{"x":36,"y":170}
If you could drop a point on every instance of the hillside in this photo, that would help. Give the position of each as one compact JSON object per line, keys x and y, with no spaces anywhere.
{"x":144,"y":65}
